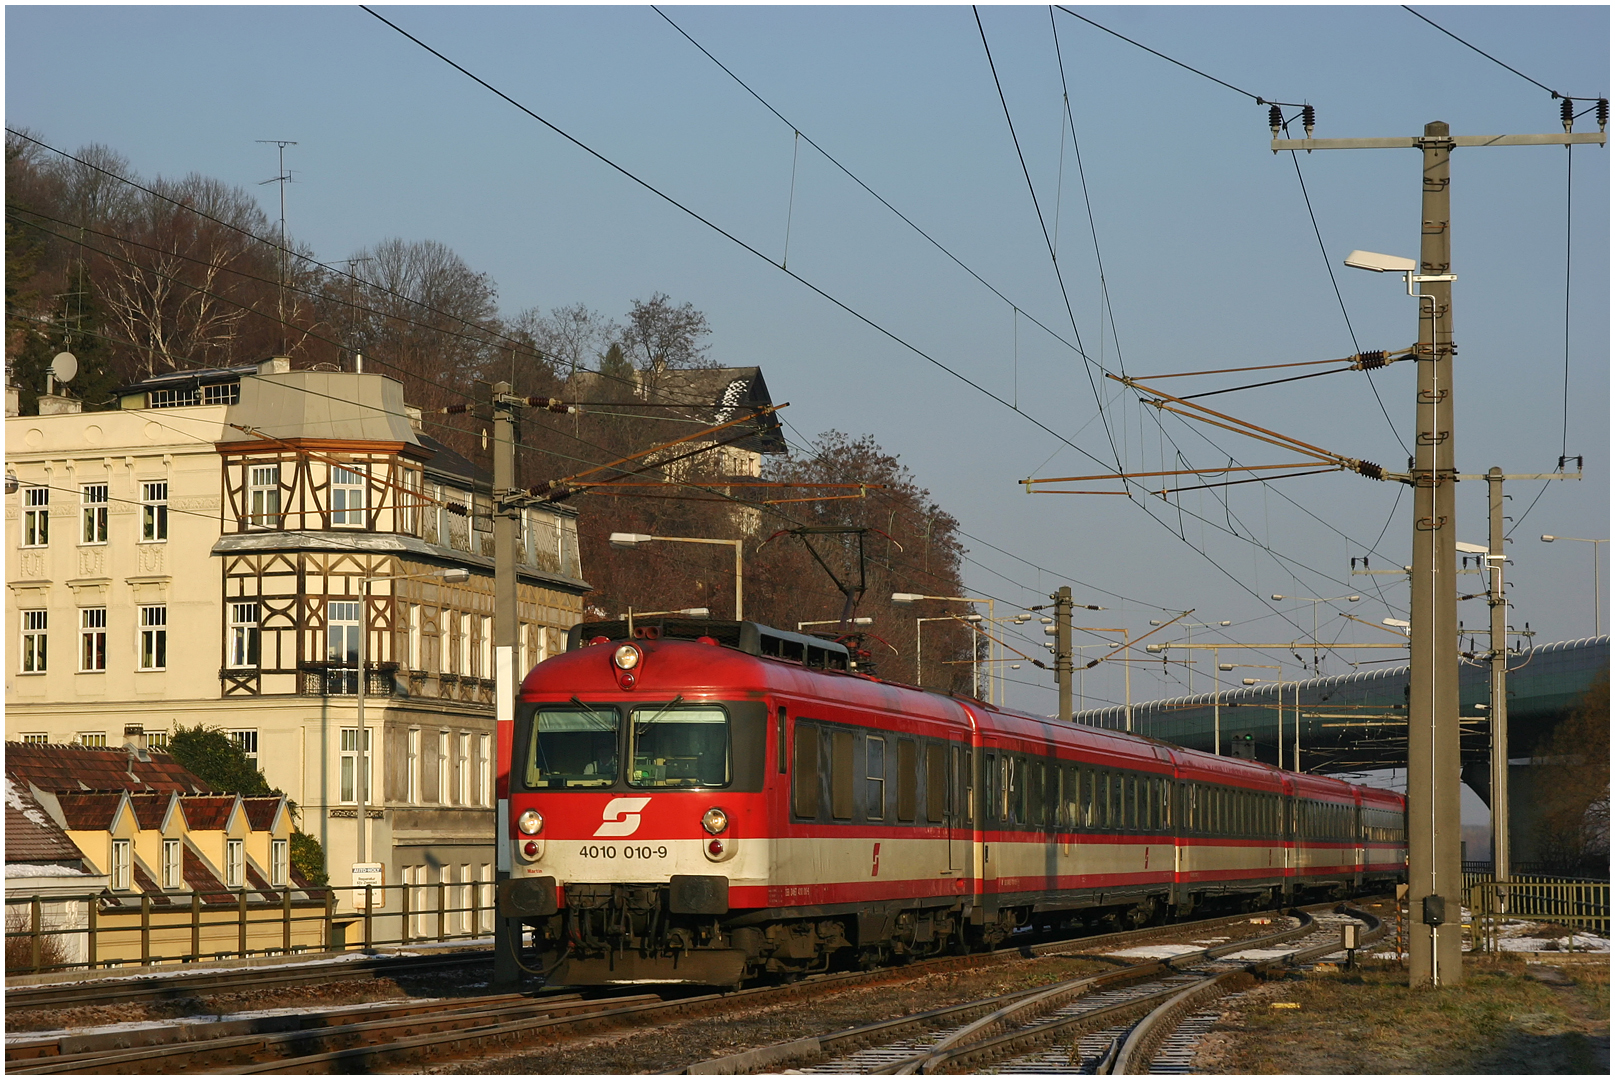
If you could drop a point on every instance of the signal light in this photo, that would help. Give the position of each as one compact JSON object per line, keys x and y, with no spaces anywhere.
{"x":530,"y":849}
{"x":715,"y":847}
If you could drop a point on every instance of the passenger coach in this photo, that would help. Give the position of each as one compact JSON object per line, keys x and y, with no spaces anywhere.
{"x":703,"y":801}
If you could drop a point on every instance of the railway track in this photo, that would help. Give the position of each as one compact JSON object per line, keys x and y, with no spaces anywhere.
{"x":182,"y":984}
{"x":1110,"y":1023}
{"x":397,"y":1034}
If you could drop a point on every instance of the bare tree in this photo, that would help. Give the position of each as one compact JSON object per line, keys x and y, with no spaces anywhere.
{"x":660,"y":336}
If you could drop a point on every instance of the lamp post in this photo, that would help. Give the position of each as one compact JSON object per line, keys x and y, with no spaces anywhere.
{"x":1315,"y":601}
{"x":454,"y":575}
{"x":862,"y":620}
{"x":628,"y":540}
{"x":975,"y":669}
{"x":1192,"y":627}
{"x":914,"y":598}
{"x":1280,"y":681}
{"x":1598,"y":607}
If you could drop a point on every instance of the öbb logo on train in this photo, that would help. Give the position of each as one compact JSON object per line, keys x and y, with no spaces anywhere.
{"x":621,"y":817}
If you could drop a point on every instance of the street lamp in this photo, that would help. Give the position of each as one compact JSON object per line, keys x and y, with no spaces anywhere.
{"x":1191,"y":627}
{"x":1598,"y":608}
{"x":914,"y":598}
{"x":1315,"y":601}
{"x":628,"y":540}
{"x":975,"y":669}
{"x":450,"y":575}
{"x":863,"y":620}
{"x":1280,"y":681}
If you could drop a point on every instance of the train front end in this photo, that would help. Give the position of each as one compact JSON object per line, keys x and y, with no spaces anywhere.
{"x":637,"y":812}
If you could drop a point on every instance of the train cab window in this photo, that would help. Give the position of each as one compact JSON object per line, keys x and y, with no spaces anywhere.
{"x":680,"y":747}
{"x":875,"y":772}
{"x":841,"y":747}
{"x":572,"y":748}
{"x":779,"y":740}
{"x":908,"y":796}
{"x":805,"y":771}
{"x":936,"y":783}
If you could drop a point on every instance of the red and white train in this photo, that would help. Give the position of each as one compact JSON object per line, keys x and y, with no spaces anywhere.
{"x":704,"y":802}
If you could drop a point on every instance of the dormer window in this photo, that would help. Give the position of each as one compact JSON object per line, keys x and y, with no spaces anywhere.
{"x":263,"y":496}
{"x":235,"y":863}
{"x":347,"y":496}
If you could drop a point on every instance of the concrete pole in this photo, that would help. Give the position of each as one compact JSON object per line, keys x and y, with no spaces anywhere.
{"x":362,"y":756}
{"x":506,"y":635}
{"x":1499,"y":701}
{"x":1216,"y":705}
{"x":1434,"y":867}
{"x":1062,"y":649}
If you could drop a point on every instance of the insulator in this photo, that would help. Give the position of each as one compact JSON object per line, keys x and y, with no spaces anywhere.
{"x":1603,"y":113}
{"x":1368,"y":361}
{"x":1371,"y":470}
{"x":457,"y":508}
{"x":1308,"y":116}
{"x":454,"y":410}
{"x":1567,"y":112}
{"x":1275,"y":119}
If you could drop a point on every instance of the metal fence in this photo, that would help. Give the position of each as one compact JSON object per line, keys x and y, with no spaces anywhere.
{"x":59,"y":932}
{"x":1578,"y":905}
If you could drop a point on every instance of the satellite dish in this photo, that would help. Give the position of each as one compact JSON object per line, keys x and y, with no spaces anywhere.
{"x":64,"y":365}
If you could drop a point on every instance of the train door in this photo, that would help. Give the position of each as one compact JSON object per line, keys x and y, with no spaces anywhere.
{"x":954,"y":810}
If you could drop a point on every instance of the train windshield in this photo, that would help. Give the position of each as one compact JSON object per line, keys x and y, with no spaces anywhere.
{"x":573,"y":748}
{"x":680,"y":746}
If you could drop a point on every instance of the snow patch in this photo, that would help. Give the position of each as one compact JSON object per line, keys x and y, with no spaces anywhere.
{"x":41,"y":870}
{"x":32,"y":813}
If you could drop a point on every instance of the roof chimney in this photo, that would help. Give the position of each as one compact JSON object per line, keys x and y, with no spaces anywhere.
{"x":275,"y":365}
{"x":134,"y":741}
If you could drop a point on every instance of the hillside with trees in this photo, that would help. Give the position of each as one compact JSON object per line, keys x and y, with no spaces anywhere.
{"x":138,"y":277}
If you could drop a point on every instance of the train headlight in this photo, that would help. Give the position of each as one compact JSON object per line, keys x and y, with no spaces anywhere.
{"x":715,"y":821}
{"x":626,"y":658}
{"x":531,"y":822}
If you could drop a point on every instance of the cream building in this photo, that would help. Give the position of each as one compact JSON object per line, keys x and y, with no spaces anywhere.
{"x":197,"y":556}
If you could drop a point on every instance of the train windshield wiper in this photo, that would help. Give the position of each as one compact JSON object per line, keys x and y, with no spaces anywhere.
{"x":641,"y":728}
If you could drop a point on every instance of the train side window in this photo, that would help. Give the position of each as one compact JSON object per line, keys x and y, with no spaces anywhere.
{"x":875,"y":772}
{"x":1034,"y":792}
{"x":967,"y":797}
{"x":907,"y":780}
{"x":841,"y":747}
{"x":989,"y":788}
{"x":779,"y":740}
{"x":805,"y":769}
{"x":1069,"y":791}
{"x":936,"y":783}
{"x":1132,"y":802}
{"x":1006,"y":780}
{"x":1102,"y":802}
{"x":1089,"y":785}
{"x":1017,"y":791}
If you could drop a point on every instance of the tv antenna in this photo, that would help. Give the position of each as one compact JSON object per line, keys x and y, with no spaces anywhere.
{"x":282,"y":179}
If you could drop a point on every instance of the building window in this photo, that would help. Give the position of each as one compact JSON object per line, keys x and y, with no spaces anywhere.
{"x":173,"y":876}
{"x":465,"y":644}
{"x":462,"y":771}
{"x":172,"y":399}
{"x":347,"y":496}
{"x":35,"y":738}
{"x":226,"y":393}
{"x":154,"y":511}
{"x":464,"y":898}
{"x":342,"y":645}
{"x":36,"y":517}
{"x":33,"y":640}
{"x":243,"y":635}
{"x":154,"y":638}
{"x":279,"y":862}
{"x":485,"y":877}
{"x":93,"y":503}
{"x":93,"y":639}
{"x":247,"y":739}
{"x":157,"y":740}
{"x":412,"y":772}
{"x":120,"y":864}
{"x":485,"y":769}
{"x":350,"y":763}
{"x":414,"y":632}
{"x":235,"y":863}
{"x":409,"y":503}
{"x":485,"y":653}
{"x":263,"y":496}
{"x":95,"y":740}
{"x":443,"y":767}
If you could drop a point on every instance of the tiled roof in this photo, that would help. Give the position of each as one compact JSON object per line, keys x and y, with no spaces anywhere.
{"x":150,"y":808}
{"x":31,"y":835}
{"x":70,"y":767}
{"x":204,"y":812}
{"x":90,"y":812}
{"x":199,"y":879}
{"x":261,"y":810}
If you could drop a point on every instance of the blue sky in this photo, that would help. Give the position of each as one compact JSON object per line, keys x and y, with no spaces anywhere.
{"x":1208,"y":248}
